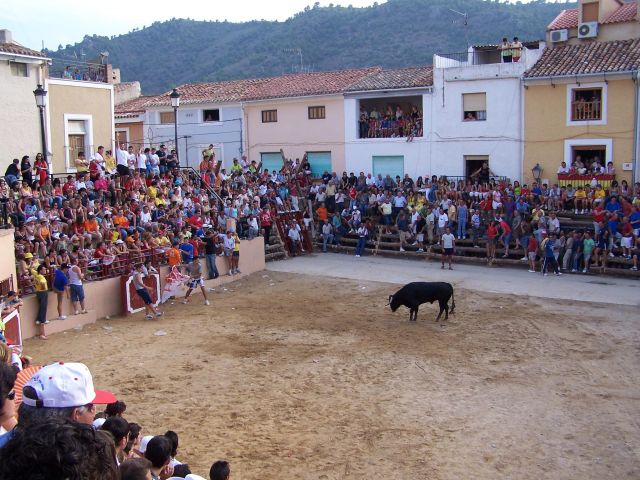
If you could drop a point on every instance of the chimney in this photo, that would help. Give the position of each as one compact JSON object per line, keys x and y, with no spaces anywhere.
{"x":5,"y":36}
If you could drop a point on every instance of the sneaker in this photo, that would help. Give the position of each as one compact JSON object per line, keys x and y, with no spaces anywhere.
{"x":184,"y":302}
{"x":420,"y":250}
{"x":230,"y":273}
{"x":506,"y":255}
{"x":159,"y":314}
{"x":45,"y":322}
{"x":545,"y":274}
{"x":532,"y":271}
{"x":401,"y":249}
{"x":524,"y":259}
{"x":62,"y":317}
{"x":576,"y":211}
{"x":148,"y":317}
{"x":212,"y":289}
{"x":635,"y":269}
{"x":238,"y":270}
{"x":206,"y":302}
{"x":84,"y":311}
{"x":611,"y":254}
{"x":559,"y":273}
{"x":573,"y":270}
{"x":357,"y":256}
{"x":584,"y":271}
{"x":77,"y":312}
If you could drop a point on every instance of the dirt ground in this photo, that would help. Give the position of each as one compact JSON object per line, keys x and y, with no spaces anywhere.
{"x":301,"y":377}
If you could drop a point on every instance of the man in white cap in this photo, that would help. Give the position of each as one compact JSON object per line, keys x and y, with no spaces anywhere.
{"x":61,"y":390}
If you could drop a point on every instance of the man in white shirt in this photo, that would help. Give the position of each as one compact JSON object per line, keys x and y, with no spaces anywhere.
{"x":122,"y":161}
{"x":563,"y":168}
{"x":141,"y":161}
{"x":443,"y":220}
{"x":447,"y":242}
{"x":131,"y":159}
{"x":99,"y":157}
{"x":296,"y":239}
{"x":154,"y":162}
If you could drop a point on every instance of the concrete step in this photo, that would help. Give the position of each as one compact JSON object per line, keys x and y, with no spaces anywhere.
{"x":72,"y":321}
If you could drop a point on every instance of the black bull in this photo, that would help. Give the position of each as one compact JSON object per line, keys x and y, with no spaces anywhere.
{"x":414,"y":294}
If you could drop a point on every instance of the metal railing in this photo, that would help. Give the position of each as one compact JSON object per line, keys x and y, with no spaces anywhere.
{"x":68,"y":69}
{"x":476,"y":57}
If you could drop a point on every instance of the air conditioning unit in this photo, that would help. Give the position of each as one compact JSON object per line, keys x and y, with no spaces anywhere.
{"x":559,"y":36}
{"x":588,"y":30}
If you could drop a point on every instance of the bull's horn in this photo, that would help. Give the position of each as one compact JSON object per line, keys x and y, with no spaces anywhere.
{"x":390,"y":297}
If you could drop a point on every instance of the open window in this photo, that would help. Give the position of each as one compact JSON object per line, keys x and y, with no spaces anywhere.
{"x":588,"y":155}
{"x":474,"y":107}
{"x":211,"y":115}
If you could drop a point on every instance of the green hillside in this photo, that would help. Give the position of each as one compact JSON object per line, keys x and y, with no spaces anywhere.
{"x":397,"y":33}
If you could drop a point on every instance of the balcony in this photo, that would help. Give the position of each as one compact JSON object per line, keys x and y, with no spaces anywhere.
{"x":73,"y":70}
{"x":585,"y":111}
{"x":486,"y":62}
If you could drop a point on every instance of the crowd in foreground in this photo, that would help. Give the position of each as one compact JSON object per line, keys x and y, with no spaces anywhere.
{"x":51,"y":430}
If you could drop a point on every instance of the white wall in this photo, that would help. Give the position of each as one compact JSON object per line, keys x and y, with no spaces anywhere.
{"x":500,"y":136}
{"x":226,"y":133}
{"x":359,"y":152}
{"x":19,"y":117}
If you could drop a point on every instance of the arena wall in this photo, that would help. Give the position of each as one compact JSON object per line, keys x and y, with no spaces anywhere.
{"x":103,"y":298}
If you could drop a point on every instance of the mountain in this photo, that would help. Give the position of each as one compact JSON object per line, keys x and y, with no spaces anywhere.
{"x":397,"y":33}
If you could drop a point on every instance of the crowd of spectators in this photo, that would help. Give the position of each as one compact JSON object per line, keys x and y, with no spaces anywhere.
{"x":390,"y":123}
{"x":492,"y":212}
{"x":51,"y":429}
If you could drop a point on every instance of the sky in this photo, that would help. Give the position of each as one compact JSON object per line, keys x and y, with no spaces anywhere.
{"x":55,"y":22}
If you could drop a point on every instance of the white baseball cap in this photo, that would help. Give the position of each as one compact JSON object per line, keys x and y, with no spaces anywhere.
{"x":144,"y":442}
{"x":64,"y":385}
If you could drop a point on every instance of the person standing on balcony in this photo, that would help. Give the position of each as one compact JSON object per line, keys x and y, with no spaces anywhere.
{"x":505,"y":51}
{"x":516,"y":49}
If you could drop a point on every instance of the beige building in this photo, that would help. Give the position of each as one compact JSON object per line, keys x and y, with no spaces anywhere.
{"x":595,"y":21}
{"x":577,"y":108}
{"x":21,"y":70}
{"x":79,"y":119}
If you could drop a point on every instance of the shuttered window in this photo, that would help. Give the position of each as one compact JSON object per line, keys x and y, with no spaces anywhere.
{"x":316,"y":113}
{"x":269,"y":116}
{"x":474,"y":106}
{"x":167,"y":117}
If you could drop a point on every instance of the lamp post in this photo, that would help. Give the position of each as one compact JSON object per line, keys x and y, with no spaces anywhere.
{"x":537,"y":172}
{"x":175,"y":103}
{"x":41,"y":102}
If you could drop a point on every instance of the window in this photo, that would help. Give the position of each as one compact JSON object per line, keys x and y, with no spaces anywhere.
{"x":269,"y":116}
{"x":474,"y":106}
{"x":472,"y":163}
{"x":271,"y":161}
{"x":586,"y":104}
{"x":212,"y":115}
{"x":392,"y":165}
{"x":588,"y":155}
{"x":590,"y":12}
{"x":76,"y":145}
{"x":316,"y":113}
{"x":320,"y":162}
{"x":19,"y":69}
{"x":167,"y":117}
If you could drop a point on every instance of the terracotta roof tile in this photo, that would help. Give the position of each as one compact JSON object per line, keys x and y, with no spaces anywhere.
{"x":20,"y":50}
{"x":395,"y":78}
{"x":626,"y":13}
{"x":595,"y":57}
{"x":565,"y":19}
{"x":305,"y":84}
{"x":133,"y":106}
{"x":213,"y":92}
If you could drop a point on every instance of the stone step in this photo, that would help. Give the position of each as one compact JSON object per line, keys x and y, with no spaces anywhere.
{"x":271,"y":257}
{"x":72,"y":321}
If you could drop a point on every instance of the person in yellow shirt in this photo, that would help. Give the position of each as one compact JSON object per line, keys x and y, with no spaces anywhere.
{"x":235,"y":256}
{"x":580,"y":200}
{"x":42,"y":294}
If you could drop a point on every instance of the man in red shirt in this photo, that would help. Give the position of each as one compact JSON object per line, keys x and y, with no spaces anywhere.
{"x":598,"y":215}
{"x":505,"y":236}
{"x":492,"y":233}
{"x":265,"y":223}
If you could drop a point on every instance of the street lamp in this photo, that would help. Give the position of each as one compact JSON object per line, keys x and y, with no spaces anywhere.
{"x":175,"y":103}
{"x":537,"y":172}
{"x":41,"y":102}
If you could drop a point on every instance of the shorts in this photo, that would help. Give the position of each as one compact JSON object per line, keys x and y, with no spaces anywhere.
{"x":420,"y":237}
{"x":236,"y":253}
{"x":448,"y":251}
{"x":76,"y":293}
{"x":144,"y":295}
{"x":227,"y":252}
{"x":123,"y":170}
{"x":195,"y":283}
{"x":532,"y":256}
{"x":625,"y":242}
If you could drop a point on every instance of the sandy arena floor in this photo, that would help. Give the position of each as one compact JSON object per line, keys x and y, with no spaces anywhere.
{"x":302,"y":377}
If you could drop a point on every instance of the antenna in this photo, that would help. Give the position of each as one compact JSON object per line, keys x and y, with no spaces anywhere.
{"x":465,"y":22}
{"x":295,"y":51}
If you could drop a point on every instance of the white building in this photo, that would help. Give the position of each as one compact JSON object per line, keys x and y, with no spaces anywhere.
{"x":377,"y":152}
{"x":477,"y":112}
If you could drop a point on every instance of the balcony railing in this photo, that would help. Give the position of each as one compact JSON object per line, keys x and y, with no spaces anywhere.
{"x":474,"y":58}
{"x":581,"y":110}
{"x":79,"y":71}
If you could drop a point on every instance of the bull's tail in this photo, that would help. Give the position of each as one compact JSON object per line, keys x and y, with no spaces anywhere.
{"x":453,"y":301}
